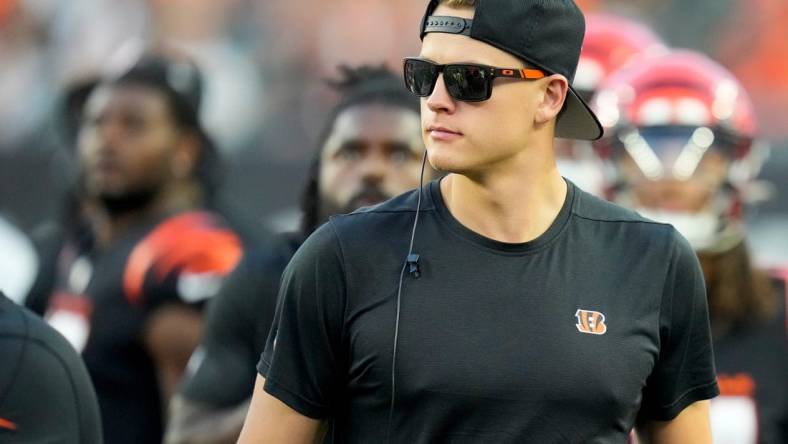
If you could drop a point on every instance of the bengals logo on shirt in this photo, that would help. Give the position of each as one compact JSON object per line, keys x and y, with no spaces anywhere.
{"x":591,"y":322}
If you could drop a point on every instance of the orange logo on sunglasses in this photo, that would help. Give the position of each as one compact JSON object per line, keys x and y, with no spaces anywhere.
{"x":531,"y":73}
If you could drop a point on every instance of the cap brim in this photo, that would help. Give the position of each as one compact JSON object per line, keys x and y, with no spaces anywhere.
{"x":577,"y":121}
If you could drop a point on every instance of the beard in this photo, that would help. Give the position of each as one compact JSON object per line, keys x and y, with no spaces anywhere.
{"x":133,"y":200}
{"x":370,"y":194}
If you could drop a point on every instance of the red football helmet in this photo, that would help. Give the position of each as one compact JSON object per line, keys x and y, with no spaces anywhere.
{"x":610,"y":42}
{"x":679,"y":131}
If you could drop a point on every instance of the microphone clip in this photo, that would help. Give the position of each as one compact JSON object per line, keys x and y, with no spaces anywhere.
{"x":413,"y":265}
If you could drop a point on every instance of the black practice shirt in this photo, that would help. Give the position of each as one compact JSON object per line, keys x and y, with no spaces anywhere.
{"x":222,"y":370}
{"x":565,"y":338}
{"x":45,"y":391}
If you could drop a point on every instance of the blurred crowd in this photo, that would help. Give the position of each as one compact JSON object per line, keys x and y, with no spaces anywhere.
{"x":259,"y":96}
{"x":264,"y":61}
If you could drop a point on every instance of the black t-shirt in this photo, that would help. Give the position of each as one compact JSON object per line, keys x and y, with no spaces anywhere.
{"x":752,"y":371}
{"x":236,"y":327}
{"x":45,"y":390}
{"x":102,"y":301}
{"x":561,"y":339}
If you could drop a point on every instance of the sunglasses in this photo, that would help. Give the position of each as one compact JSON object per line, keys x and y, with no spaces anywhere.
{"x":465,"y":82}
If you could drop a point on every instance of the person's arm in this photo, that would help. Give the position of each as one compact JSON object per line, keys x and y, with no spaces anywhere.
{"x":690,"y":426}
{"x":674,"y":407}
{"x":171,"y":273}
{"x":197,"y":423}
{"x":212,"y":402}
{"x":170,"y":335}
{"x":303,"y":370}
{"x":271,"y":421}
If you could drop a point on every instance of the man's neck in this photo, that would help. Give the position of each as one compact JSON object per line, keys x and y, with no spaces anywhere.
{"x":516,"y":203}
{"x":110,"y":227}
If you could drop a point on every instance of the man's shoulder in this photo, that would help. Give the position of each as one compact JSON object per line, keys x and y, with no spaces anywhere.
{"x":404,"y":204}
{"x":254,"y":282}
{"x":389,"y":216}
{"x":369,"y":230}
{"x":196,"y":247}
{"x":32,"y":349}
{"x":28,"y":330}
{"x":637,"y":231}
{"x":594,"y":208}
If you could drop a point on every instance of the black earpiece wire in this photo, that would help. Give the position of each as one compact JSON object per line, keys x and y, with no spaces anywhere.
{"x":411,"y":260}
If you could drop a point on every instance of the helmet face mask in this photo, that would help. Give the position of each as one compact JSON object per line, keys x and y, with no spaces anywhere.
{"x":677,"y":158}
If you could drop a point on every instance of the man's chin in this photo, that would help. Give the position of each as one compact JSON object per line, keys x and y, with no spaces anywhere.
{"x":124,"y":202}
{"x":446,"y":161}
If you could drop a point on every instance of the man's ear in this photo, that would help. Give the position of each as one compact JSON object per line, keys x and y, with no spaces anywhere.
{"x":556,"y":88}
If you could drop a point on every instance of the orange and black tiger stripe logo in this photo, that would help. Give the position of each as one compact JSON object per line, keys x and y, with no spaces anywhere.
{"x":591,"y":322}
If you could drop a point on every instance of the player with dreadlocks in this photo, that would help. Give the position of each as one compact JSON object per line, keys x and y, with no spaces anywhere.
{"x":127,"y":289}
{"x":369,"y":151}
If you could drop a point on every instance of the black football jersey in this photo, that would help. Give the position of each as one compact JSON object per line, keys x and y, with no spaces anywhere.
{"x":102,"y":300}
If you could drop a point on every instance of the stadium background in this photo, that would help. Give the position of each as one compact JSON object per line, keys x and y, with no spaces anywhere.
{"x":264,"y":103}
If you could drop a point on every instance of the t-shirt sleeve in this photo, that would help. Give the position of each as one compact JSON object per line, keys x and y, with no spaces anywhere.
{"x":303,"y":361}
{"x":222,"y":371}
{"x":684,"y":371}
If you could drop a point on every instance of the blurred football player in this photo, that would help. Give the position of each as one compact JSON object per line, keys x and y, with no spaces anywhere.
{"x":611,"y":42}
{"x":679,"y":134}
{"x":127,"y":291}
{"x":370,"y":150}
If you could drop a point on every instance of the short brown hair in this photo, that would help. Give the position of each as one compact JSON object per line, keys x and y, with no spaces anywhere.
{"x":459,"y":3}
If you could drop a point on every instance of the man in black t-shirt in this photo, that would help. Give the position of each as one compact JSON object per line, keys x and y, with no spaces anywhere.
{"x":45,"y":390}
{"x":128,"y":291}
{"x":691,"y":180}
{"x":370,"y":151}
{"x":501,"y":303}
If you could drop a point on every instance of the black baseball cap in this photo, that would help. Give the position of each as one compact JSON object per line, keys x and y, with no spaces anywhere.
{"x":545,"y":33}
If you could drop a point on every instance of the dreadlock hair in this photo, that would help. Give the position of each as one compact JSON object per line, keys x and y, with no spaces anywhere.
{"x":739,"y":295}
{"x":362,"y":85}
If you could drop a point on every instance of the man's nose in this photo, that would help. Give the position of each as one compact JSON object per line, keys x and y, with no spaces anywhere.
{"x":440,"y":100}
{"x":374,"y":166}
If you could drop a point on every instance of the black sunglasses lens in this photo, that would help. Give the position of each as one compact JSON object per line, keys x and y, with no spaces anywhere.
{"x":420,"y":77}
{"x":467,"y":82}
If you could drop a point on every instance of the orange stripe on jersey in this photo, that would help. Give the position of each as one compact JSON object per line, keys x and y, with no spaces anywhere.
{"x":191,"y":242}
{"x":6,"y":424}
{"x":740,"y":384}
